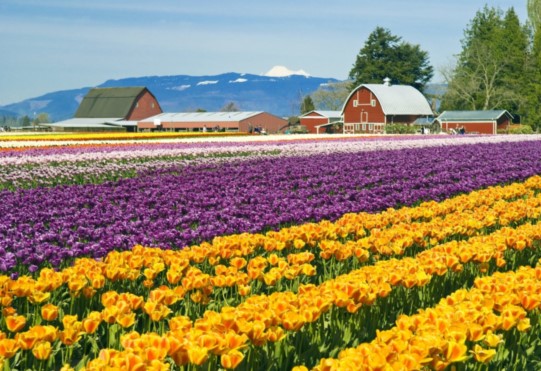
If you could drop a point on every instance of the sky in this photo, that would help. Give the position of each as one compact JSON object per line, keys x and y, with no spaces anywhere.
{"x":51,"y":45}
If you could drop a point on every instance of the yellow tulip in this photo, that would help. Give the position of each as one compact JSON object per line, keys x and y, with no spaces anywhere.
{"x":483,"y":355}
{"x":15,"y":323}
{"x":42,"y":350}
{"x":231,"y":359}
{"x":49,"y":312}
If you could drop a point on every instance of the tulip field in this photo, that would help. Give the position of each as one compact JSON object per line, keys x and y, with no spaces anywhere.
{"x":270,"y":253}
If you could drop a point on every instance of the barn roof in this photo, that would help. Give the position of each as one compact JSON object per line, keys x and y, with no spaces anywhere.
{"x":109,"y":102}
{"x":92,"y":122}
{"x":397,"y":99}
{"x":203,"y":116}
{"x":488,"y":115}
{"x":84,"y":122}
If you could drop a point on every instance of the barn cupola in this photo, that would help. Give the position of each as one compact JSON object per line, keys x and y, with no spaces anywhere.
{"x":387,"y":81}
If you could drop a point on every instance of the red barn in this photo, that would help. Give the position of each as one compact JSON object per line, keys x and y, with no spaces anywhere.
{"x":370,"y":107}
{"x":475,"y":122}
{"x":315,"y":121}
{"x":111,"y":109}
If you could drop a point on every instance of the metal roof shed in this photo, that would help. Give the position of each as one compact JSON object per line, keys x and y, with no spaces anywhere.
{"x":476,"y":122}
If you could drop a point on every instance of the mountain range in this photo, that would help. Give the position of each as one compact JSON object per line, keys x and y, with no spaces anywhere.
{"x":279,"y":91}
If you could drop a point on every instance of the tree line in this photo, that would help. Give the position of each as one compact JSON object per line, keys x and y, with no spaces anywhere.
{"x":24,"y":121}
{"x":499,"y":67}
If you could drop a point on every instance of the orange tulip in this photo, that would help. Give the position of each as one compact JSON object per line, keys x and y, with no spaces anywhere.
{"x":8,"y":348}
{"x":234,"y":340}
{"x":42,"y":350}
{"x":456,"y":352}
{"x":180,"y":357}
{"x":231,"y":359}
{"x":70,"y":336}
{"x":15,"y":323}
{"x":133,"y":362}
{"x":292,"y":321}
{"x":91,"y":322}
{"x":197,"y":355}
{"x":69,"y":320}
{"x":109,"y":298}
{"x":126,"y":320}
{"x":49,"y":312}
{"x":26,"y":340}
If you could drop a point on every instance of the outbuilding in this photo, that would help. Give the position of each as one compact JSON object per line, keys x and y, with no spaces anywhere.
{"x":370,"y":107}
{"x":111,"y":109}
{"x":212,"y":121}
{"x":316,"y":121}
{"x":475,"y":122}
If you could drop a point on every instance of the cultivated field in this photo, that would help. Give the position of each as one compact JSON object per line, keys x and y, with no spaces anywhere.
{"x":167,"y":251}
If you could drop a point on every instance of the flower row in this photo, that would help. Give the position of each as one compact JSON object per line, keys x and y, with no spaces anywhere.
{"x":289,"y":253}
{"x":84,"y":163}
{"x":469,"y":324}
{"x":258,"y":320}
{"x":176,"y":207}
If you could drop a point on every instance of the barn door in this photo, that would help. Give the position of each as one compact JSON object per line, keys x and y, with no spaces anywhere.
{"x":364,"y":120}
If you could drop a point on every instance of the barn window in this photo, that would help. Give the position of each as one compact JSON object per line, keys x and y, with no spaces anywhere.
{"x":355,"y":103}
{"x":373,"y":102}
{"x":152,"y":104}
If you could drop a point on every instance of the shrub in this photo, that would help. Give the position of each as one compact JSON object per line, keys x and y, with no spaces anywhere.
{"x":517,"y":129}
{"x":400,"y":129}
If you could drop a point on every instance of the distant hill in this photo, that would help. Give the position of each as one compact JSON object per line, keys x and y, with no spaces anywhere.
{"x":7,"y":113}
{"x":277,"y":94}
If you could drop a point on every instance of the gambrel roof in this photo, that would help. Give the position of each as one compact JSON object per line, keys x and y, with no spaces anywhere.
{"x":397,"y":99}
{"x":109,"y":102}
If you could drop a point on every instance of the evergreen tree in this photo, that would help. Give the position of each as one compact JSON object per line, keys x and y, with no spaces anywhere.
{"x":515,"y":50}
{"x":533,"y":111}
{"x":307,"y":105}
{"x":25,"y":121}
{"x":534,"y":13}
{"x":386,"y":55}
{"x":491,"y":69}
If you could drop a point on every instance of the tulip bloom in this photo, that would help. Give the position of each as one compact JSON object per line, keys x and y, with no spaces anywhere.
{"x":49,"y":312}
{"x":42,"y":350}
{"x":15,"y":323}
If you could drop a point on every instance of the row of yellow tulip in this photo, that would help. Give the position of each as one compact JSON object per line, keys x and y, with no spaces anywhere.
{"x":467,"y":325}
{"x":260,"y":318}
{"x":263,"y":318}
{"x":88,"y":275}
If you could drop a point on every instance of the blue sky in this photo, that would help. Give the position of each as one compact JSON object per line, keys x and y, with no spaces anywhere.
{"x":50,"y":45}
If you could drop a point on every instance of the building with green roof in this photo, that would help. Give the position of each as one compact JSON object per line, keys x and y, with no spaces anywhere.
{"x":111,"y":109}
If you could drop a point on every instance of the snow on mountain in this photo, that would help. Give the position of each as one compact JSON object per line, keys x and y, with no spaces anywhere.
{"x":180,"y":87}
{"x":207,"y":82}
{"x":282,"y":71}
{"x":280,"y":96}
